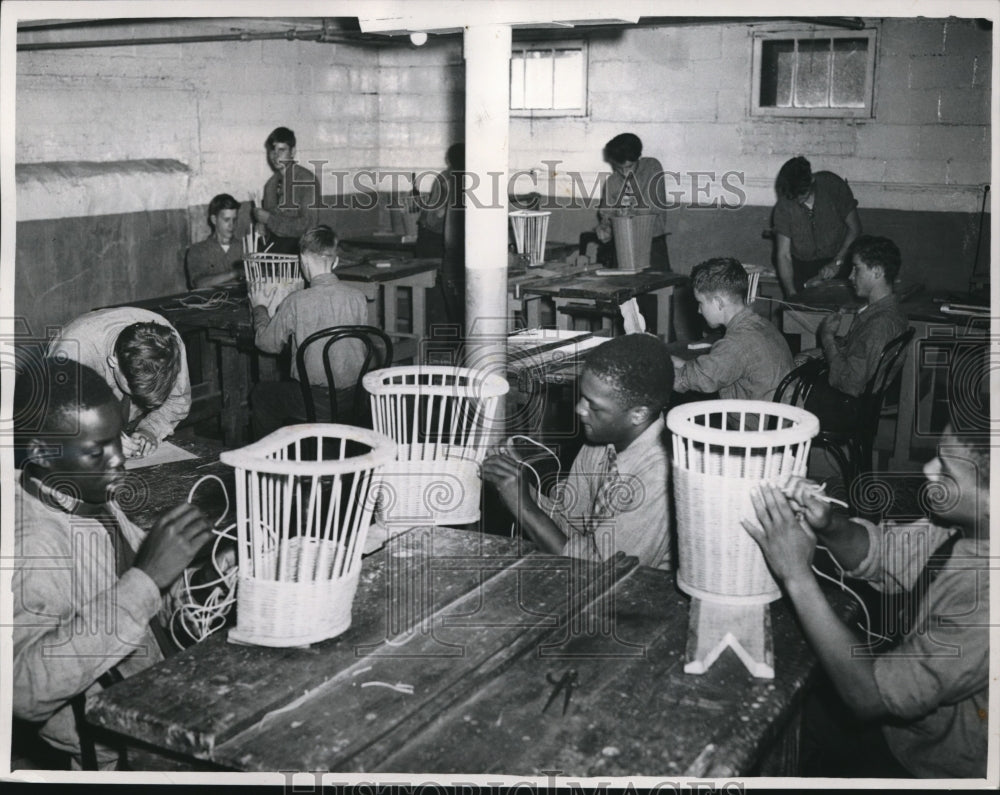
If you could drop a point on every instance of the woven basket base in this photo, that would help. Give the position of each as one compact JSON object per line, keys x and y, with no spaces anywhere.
{"x":430,"y":492}
{"x":283,"y":614}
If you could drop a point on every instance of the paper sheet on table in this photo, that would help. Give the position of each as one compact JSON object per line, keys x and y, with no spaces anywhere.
{"x":165,"y":453}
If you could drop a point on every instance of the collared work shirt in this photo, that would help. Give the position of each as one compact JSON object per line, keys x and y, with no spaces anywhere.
{"x":74,"y":618}
{"x":326,"y":302}
{"x":638,"y":522}
{"x":648,"y":184}
{"x":209,"y":258}
{"x":937,"y":679}
{"x":90,"y":340}
{"x":820,"y":233}
{"x":748,"y":363}
{"x":292,"y":196}
{"x":858,"y":352}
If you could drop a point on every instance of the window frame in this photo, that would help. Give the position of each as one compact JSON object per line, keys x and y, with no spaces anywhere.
{"x":562,"y":44}
{"x":811,"y":33}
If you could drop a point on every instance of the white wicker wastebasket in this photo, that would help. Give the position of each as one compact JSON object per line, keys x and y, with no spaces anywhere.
{"x":715,"y":465}
{"x":530,"y":230}
{"x":304,"y":501}
{"x":441,"y":419}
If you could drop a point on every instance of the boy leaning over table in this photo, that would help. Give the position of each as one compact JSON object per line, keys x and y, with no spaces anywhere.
{"x":89,"y":589}
{"x":930,"y":692}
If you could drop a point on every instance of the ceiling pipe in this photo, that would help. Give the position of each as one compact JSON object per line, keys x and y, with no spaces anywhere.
{"x":322,"y":36}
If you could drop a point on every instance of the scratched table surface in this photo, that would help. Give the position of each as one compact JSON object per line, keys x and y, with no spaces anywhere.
{"x":613,"y":289}
{"x":471,"y":627}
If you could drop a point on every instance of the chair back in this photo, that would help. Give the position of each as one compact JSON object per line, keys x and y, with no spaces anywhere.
{"x":367,"y":335}
{"x":795,"y":387}
{"x":887,"y":373}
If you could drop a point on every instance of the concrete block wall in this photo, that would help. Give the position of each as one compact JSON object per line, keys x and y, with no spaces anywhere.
{"x":208,"y":105}
{"x":685,"y":91}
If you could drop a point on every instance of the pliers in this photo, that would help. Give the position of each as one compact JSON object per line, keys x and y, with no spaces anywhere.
{"x":564,"y":684}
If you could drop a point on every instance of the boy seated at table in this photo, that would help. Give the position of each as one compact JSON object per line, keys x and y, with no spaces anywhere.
{"x":615,"y":498}
{"x":325,"y":302}
{"x":218,"y":259}
{"x":142,"y":358}
{"x":853,"y":359}
{"x":749,"y":362}
{"x":88,"y":585}
{"x":929,"y":694}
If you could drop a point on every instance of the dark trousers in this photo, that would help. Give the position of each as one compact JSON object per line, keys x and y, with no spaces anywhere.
{"x":274,"y":404}
{"x":837,"y":411}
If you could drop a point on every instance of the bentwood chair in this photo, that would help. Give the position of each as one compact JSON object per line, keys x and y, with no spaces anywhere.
{"x":851,"y":449}
{"x":371,"y":339}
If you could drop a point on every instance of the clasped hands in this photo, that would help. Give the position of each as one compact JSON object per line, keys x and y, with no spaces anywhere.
{"x":788,"y":521}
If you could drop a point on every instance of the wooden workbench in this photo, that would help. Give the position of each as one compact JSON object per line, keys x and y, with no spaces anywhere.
{"x":487,"y":625}
{"x":610,"y":292}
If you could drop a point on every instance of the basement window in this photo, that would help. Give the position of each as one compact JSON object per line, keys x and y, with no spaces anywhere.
{"x":548,"y":79}
{"x":815,"y":73}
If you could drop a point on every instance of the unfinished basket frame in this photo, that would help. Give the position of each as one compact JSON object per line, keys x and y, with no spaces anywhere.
{"x":530,"y":230}
{"x":301,"y":524}
{"x":441,"y":419}
{"x":280,"y":271}
{"x":714,"y":469}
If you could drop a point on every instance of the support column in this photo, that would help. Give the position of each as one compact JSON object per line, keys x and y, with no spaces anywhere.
{"x":487,"y":125}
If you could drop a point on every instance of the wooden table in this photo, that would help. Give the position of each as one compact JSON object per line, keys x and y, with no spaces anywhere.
{"x":149,"y":491}
{"x":382,"y":287}
{"x":610,"y":291}
{"x":475,"y":627}
{"x":386,"y":241}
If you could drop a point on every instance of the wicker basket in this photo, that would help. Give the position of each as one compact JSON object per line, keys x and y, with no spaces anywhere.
{"x":304,"y":501}
{"x":441,"y":419}
{"x":633,"y":240}
{"x":264,"y":269}
{"x":714,"y":468}
{"x":530,"y":229}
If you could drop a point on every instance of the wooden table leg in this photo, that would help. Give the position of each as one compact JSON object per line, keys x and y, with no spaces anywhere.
{"x":664,"y":325}
{"x":389,"y":307}
{"x":235,"y":377}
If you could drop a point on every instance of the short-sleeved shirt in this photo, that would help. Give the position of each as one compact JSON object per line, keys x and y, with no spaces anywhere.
{"x":819,"y":234}
{"x":748,"y":363}
{"x":647,"y":182}
{"x":209,"y":258}
{"x":292,"y":196}
{"x":326,"y":302}
{"x":937,"y":679}
{"x":640,"y":522}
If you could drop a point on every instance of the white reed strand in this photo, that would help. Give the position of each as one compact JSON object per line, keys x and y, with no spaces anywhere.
{"x":358,"y":495}
{"x":282,"y":551}
{"x":309,"y":531}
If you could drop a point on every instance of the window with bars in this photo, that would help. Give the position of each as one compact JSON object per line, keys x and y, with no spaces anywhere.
{"x":828,"y":73}
{"x":548,"y":79}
